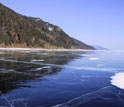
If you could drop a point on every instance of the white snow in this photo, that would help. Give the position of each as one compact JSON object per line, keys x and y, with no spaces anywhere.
{"x":39,"y":69}
{"x":46,"y":67}
{"x":37,"y":60}
{"x":38,"y":19}
{"x":15,"y":49}
{"x":118,"y":80}
{"x":50,"y":28}
{"x":94,"y":59}
{"x":85,"y":55}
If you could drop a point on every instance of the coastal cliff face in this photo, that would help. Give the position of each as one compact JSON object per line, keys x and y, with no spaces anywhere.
{"x":21,"y":31}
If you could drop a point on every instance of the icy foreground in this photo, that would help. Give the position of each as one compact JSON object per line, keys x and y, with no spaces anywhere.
{"x":104,"y":97}
{"x":61,"y":78}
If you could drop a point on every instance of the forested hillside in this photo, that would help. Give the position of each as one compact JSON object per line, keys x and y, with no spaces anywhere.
{"x":21,"y":31}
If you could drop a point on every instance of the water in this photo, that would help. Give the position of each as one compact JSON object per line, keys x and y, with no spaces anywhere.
{"x":61,"y":78}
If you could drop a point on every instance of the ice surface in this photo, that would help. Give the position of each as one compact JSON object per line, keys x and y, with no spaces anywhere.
{"x":100,"y":65}
{"x":96,"y":69}
{"x":105,"y":97}
{"x":62,"y":77}
{"x":66,"y":66}
{"x":7,"y":71}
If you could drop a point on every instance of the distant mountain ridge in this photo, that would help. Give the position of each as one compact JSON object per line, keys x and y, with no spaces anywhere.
{"x":99,"y":47}
{"x":21,"y":31}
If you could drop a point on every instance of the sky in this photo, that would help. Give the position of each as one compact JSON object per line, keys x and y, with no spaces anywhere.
{"x":94,"y":22}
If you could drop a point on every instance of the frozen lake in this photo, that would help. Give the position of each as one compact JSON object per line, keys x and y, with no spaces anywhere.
{"x":43,"y":78}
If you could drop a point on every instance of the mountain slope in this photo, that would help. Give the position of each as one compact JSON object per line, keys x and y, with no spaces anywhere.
{"x":21,"y":31}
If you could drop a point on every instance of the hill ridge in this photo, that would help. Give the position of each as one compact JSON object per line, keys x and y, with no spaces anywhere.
{"x":17,"y":30}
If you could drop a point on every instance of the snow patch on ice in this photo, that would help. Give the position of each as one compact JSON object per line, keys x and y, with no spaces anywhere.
{"x":85,"y":55}
{"x":37,"y":60}
{"x":94,"y":59}
{"x":118,"y":80}
{"x":41,"y":69}
{"x":46,"y":67}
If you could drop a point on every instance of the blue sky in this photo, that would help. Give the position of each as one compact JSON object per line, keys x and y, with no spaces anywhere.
{"x":95,"y":22}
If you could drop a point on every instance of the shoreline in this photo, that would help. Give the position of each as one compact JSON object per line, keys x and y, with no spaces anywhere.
{"x":43,"y":49}
{"x":59,"y":49}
